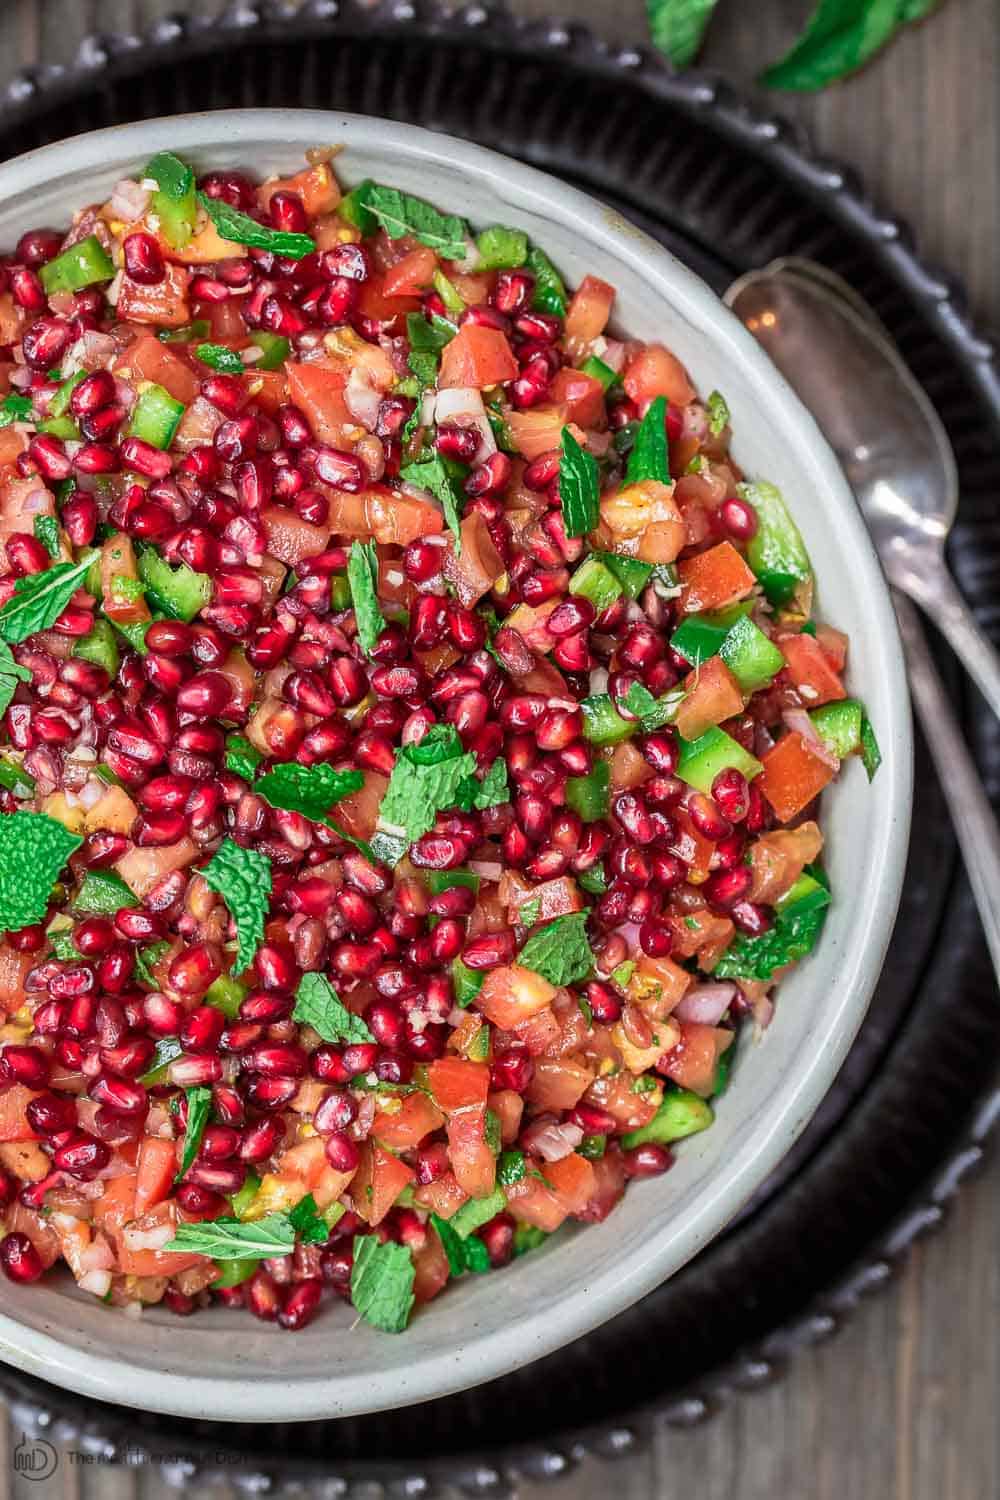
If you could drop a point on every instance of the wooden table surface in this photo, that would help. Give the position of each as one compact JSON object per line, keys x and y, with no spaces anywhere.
{"x":902,"y":1403}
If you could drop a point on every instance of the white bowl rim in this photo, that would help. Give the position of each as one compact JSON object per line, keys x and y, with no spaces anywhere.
{"x":498,"y":1351}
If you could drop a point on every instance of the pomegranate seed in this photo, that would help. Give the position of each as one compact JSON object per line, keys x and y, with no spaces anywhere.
{"x":192,"y":971}
{"x":461,"y":443}
{"x":649,"y":1160}
{"x":143,"y":257}
{"x":707,"y":817}
{"x":49,"y":457}
{"x":19,"y":1258}
{"x":512,"y":292}
{"x":750,"y":918}
{"x":739,"y":518}
{"x":302,"y":1301}
{"x":490,"y":476}
{"x":264,"y":1297}
{"x":119,"y":1096}
{"x":261,"y":1139}
{"x":25,"y":1065}
{"x":513,"y":1069}
{"x":731,"y":794}
{"x":200,"y":1202}
{"x":26,"y":554}
{"x":341,"y":1152}
{"x":82,"y":1157}
{"x":490,"y":949}
{"x":51,"y":1114}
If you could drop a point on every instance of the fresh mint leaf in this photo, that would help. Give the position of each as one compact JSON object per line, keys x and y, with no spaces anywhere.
{"x":173,"y":177}
{"x":678,"y":27}
{"x":718,"y":413}
{"x":579,"y":487}
{"x":47,"y":532}
{"x":493,"y":789}
{"x":147,"y":958}
{"x":307,"y":1222}
{"x":199,"y":1107}
{"x":400,"y":213}
{"x":549,"y":295}
{"x":15,"y":408}
{"x":510,"y":1168}
{"x":218,"y":357}
{"x":468,"y":1254}
{"x":39,"y":600}
{"x":794,"y":934}
{"x":309,"y":790}
{"x":529,"y":913}
{"x":650,"y":458}
{"x":11,"y":673}
{"x":871,"y":755}
{"x":235,"y":1239}
{"x":242,"y":877}
{"x":434,"y":476}
{"x":362,"y":576}
{"x":840,"y":37}
{"x":33,"y":850}
{"x":382,"y":1283}
{"x":560,"y":951}
{"x":63,"y":946}
{"x":242,"y":230}
{"x":427,"y":778}
{"x":318,"y":1005}
{"x":242,"y":758}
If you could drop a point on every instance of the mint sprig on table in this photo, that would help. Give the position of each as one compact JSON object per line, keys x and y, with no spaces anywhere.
{"x":33,"y":850}
{"x":242,"y":877}
{"x":840,"y":37}
{"x":318,"y":1005}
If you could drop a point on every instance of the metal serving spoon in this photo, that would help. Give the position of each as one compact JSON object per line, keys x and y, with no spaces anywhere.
{"x":832,"y":350}
{"x":889,"y":438}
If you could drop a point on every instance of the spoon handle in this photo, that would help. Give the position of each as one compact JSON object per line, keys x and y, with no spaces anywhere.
{"x":971,"y":813}
{"x":932,"y":586}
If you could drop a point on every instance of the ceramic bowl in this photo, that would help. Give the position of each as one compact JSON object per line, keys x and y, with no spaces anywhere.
{"x":228,"y":1366}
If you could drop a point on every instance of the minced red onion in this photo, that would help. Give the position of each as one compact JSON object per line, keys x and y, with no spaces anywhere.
{"x":362,"y":399}
{"x":486,"y":869}
{"x":695,"y":420}
{"x":147,"y":1239}
{"x":552,"y":1142}
{"x":129,"y":200}
{"x":98,"y":1256}
{"x":706,"y":1003}
{"x":98,"y":1282}
{"x":797,"y":719}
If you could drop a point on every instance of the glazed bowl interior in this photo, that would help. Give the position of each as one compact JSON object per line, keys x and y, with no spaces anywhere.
{"x":225,"y":1364}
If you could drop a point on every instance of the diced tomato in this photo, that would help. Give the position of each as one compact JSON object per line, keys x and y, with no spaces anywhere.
{"x":653,"y":372}
{"x":588,"y":312}
{"x":374,"y":304}
{"x":226,"y":325}
{"x":378,"y":1182}
{"x":693,"y":1063}
{"x":714,"y":579}
{"x":358,"y":813}
{"x":658,"y":984}
{"x":455,"y":1082}
{"x":416,"y":1118}
{"x":629,"y":767}
{"x":474,"y":289}
{"x":531,"y":623}
{"x":430,"y":1266}
{"x":472,"y":1161}
{"x":614,"y":1093}
{"x":12,"y":319}
{"x":512,"y":994}
{"x":14,"y":968}
{"x":582,"y":395}
{"x":531,"y":1202}
{"x":573,"y":1179}
{"x":318,"y":391}
{"x":116,"y":1206}
{"x":692,"y":847}
{"x":793,"y":776}
{"x":269,"y":388}
{"x":21,"y":1220}
{"x":834,"y":645}
{"x":118,"y":563}
{"x":476,"y":567}
{"x":810,"y":670}
{"x":141,"y":868}
{"x":692,"y":930}
{"x":289,"y":538}
{"x":538,"y":1032}
{"x":712,"y":696}
{"x":609,"y":1185}
{"x":164,"y":304}
{"x":477,"y":356}
{"x":394,"y":519}
{"x":13,"y":1103}
{"x":558,"y":1083}
{"x":777,"y":860}
{"x":156,"y":1262}
{"x":411,"y":275}
{"x":443,"y":1197}
{"x":149,"y":359}
{"x":156,"y":1171}
{"x":508,"y":1106}
{"x":317,"y":187}
{"x":537,"y":431}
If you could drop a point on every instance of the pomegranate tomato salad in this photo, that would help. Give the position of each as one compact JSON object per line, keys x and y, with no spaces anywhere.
{"x":412,"y":730}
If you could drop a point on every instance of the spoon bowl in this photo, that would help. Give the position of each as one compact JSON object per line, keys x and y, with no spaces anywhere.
{"x":882,"y":426}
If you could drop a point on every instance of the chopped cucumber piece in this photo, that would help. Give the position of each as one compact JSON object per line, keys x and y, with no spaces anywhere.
{"x":466,"y":983}
{"x":681,"y":1114}
{"x":99,"y":647}
{"x":476,"y":1212}
{"x":588,"y":795}
{"x":702,"y":759}
{"x":598,"y":370}
{"x":753,"y":659}
{"x":179,"y":592}
{"x":174,"y":203}
{"x":275,"y":347}
{"x":82,"y":264}
{"x":596,"y":582}
{"x":156,"y":417}
{"x":776,"y":552}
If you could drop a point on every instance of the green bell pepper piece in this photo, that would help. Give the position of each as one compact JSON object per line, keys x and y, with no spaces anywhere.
{"x":175,"y":201}
{"x":179,"y":592}
{"x":156,"y":417}
{"x":80,"y":265}
{"x":806,"y":895}
{"x":466,"y":983}
{"x":603,"y":724}
{"x":632,"y":574}
{"x":226,"y":994}
{"x":99,"y":647}
{"x":135,"y":634}
{"x":698,"y":637}
{"x":702,"y":759}
{"x":501,"y":249}
{"x":598,"y":370}
{"x":234,"y":1272}
{"x":242,"y":1200}
{"x":753,"y":659}
{"x":596,"y":582}
{"x":588,"y":795}
{"x":275,"y":347}
{"x":446,"y":880}
{"x":839,"y":726}
{"x":476,"y":1212}
{"x":59,"y":404}
{"x":681,"y":1114}
{"x":63,"y":428}
{"x":776,"y":552}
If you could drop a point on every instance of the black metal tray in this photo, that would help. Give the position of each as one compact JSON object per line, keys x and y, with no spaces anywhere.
{"x":725,"y":189}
